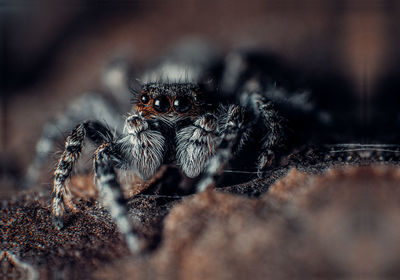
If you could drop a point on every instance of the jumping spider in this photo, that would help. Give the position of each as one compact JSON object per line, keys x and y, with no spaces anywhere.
{"x":193,"y":109}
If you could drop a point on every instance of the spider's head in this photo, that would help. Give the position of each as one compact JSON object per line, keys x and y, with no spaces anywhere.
{"x":170,"y":100}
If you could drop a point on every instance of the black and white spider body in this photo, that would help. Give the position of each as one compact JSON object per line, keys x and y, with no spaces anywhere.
{"x":179,"y":117}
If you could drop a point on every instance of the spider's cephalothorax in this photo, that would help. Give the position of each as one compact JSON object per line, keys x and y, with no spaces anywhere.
{"x":179,"y":118}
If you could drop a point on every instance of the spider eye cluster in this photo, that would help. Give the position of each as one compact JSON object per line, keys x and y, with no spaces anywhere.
{"x":163,"y":104}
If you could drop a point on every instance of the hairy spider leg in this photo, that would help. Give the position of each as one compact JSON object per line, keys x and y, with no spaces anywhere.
{"x":89,"y":106}
{"x":273,"y":139}
{"x":233,"y":131}
{"x":236,"y":130}
{"x":97,"y":133}
{"x":253,"y":99}
{"x":111,"y":193}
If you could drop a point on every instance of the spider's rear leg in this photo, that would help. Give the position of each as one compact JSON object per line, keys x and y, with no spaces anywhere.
{"x":234,"y":132}
{"x":252,"y":99}
{"x":111,"y":193}
{"x":96,"y":132}
{"x":274,"y":137}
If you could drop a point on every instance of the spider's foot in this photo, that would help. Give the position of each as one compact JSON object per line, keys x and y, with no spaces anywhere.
{"x":58,"y":213}
{"x":267,"y":159}
{"x":58,"y":222}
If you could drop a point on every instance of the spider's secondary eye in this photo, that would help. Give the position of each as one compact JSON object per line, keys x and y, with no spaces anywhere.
{"x":161,"y":104}
{"x":182,"y":104}
{"x":145,"y":98}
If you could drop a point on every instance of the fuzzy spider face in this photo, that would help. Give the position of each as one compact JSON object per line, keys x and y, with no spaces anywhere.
{"x":171,"y":122}
{"x":170,"y":101}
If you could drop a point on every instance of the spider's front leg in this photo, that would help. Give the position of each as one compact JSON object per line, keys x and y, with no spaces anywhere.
{"x":108,"y":156}
{"x":88,"y":106}
{"x":140,"y":149}
{"x":97,"y":133}
{"x":233,"y":133}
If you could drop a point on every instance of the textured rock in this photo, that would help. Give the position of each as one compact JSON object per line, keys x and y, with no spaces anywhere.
{"x":344,"y":223}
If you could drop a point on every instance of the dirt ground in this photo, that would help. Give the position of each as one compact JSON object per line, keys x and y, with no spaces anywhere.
{"x":305,"y":221}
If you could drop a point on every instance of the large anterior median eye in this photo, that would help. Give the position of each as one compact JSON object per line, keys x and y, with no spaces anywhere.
{"x":161,"y":104}
{"x":182,"y":104}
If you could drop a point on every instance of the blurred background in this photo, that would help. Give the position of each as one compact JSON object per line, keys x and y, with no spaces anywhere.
{"x":53,"y":51}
